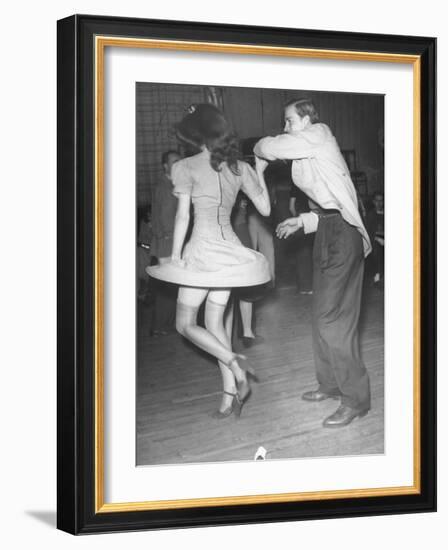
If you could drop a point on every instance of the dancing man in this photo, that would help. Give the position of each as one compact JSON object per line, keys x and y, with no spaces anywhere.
{"x":340,"y":245}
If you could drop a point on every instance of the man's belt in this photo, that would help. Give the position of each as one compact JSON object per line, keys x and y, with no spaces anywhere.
{"x":326,"y":213}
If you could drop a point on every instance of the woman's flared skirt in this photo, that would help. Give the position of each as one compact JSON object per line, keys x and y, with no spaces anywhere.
{"x":214,"y":263}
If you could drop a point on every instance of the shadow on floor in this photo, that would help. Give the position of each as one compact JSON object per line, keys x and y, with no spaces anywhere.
{"x":44,"y":516}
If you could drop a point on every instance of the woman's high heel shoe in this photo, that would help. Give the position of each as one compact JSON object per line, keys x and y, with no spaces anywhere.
{"x":243,"y":363}
{"x":244,"y":390}
{"x":249,"y":341}
{"x":234,"y":406}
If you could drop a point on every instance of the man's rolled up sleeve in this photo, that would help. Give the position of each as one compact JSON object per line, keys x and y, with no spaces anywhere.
{"x":282,"y":147}
{"x":310,"y":222}
{"x":263,"y":149}
{"x":286,"y":147}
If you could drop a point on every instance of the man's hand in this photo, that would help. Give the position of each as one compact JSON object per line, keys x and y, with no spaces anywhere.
{"x":288,"y":227}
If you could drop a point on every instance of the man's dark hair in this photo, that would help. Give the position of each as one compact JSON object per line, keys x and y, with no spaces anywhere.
{"x":304,"y":106}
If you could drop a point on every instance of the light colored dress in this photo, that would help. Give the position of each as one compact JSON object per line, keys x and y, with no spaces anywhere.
{"x":214,"y":256}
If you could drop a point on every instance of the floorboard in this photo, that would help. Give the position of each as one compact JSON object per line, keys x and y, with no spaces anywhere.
{"x":178,"y":388}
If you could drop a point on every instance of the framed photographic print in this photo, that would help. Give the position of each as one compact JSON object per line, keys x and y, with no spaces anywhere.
{"x":246,"y":274}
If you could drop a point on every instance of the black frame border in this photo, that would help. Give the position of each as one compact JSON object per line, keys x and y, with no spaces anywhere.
{"x":76,"y":262}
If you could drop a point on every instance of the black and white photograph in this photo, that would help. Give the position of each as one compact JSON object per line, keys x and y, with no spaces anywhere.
{"x":260,"y":296}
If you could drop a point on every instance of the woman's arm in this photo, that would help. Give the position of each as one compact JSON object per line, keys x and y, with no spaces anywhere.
{"x":261,"y":201}
{"x":181,"y":222}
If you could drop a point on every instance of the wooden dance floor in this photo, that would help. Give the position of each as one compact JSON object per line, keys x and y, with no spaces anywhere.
{"x":179,"y":387}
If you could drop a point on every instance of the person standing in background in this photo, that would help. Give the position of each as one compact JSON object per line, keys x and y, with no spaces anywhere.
{"x":144,"y":239}
{"x":244,"y":296}
{"x":375,"y":227}
{"x":261,"y":230}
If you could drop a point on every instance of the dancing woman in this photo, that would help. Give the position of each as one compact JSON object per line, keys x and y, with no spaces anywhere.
{"x":214,"y":260}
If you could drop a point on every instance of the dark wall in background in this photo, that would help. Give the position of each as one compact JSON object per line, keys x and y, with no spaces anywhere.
{"x":158,"y":108}
{"x":357,"y":120}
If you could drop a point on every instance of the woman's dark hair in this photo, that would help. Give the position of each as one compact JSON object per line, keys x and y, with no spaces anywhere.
{"x":304,"y":107}
{"x":166,"y":155}
{"x":206,"y":125}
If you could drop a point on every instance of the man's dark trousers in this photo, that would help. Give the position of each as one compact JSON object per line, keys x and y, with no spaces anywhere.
{"x":338,"y":261}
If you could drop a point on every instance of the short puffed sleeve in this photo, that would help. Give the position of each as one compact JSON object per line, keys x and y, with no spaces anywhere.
{"x":250,"y":184}
{"x":182,"y":178}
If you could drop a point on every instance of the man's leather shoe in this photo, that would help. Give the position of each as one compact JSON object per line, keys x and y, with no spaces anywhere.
{"x":343,"y":416}
{"x":317,"y":395}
